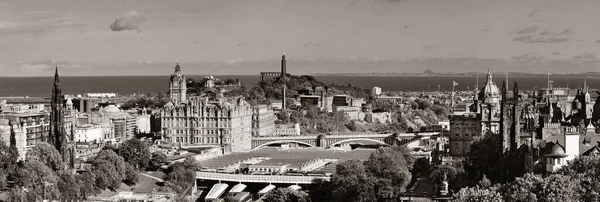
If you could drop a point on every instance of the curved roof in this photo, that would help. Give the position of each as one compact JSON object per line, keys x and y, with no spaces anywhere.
{"x":557,"y":151}
{"x":216,"y":191}
{"x":238,"y":188}
{"x":110,"y":109}
{"x":489,"y":88}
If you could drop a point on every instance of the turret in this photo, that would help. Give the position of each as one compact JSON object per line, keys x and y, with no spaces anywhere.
{"x":283,"y":66}
{"x":516,"y":91}
{"x":504,"y":91}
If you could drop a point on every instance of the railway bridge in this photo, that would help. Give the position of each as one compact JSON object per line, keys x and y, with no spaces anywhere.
{"x":324,"y":140}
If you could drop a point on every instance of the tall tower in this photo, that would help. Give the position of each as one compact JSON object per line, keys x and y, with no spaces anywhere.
{"x":504,"y":120}
{"x":177,"y":87}
{"x":283,"y":100}
{"x":56,"y":134}
{"x":283,"y":68}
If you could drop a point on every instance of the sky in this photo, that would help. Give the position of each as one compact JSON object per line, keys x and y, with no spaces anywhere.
{"x":147,"y":37}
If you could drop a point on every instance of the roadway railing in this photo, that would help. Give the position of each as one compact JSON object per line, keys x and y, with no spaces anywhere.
{"x":279,"y":179}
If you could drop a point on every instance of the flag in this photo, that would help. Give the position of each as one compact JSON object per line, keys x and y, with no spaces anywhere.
{"x":454,"y":83}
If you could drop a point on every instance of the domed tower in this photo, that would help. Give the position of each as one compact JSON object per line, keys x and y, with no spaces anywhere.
{"x":177,"y":87}
{"x":490,"y":98}
{"x":489,"y":93}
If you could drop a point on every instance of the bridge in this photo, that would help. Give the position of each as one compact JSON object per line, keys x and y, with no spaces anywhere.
{"x":267,"y":179}
{"x":335,"y":140}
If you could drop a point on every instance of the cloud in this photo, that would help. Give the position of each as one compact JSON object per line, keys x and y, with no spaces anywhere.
{"x":130,"y":21}
{"x":551,"y":39}
{"x":545,"y":37}
{"x":527,"y":59}
{"x":527,"y":30}
{"x":567,"y":32}
{"x":533,"y":13}
{"x":555,"y":53}
{"x":37,"y":65}
{"x":37,"y":23}
{"x":584,"y":56}
{"x":523,"y":38}
{"x":42,"y":68}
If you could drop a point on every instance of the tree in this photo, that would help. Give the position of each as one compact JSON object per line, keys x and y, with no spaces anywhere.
{"x":476,"y":194}
{"x":3,"y":181}
{"x":68,"y":186}
{"x":558,"y":188}
{"x":46,"y":154}
{"x":190,"y":163}
{"x":390,"y":168}
{"x":131,"y":176}
{"x":33,"y":175}
{"x":351,"y":183}
{"x":486,"y":158}
{"x":424,"y":104}
{"x":587,"y":170}
{"x":107,"y":177}
{"x":484,"y":182}
{"x":181,"y":175}
{"x":286,"y":195}
{"x":321,"y":191}
{"x":421,"y":167}
{"x":230,"y":198}
{"x":110,"y":170}
{"x":86,"y":182}
{"x":523,"y":188}
{"x":454,"y":173}
{"x":157,"y":159}
{"x":135,"y":152}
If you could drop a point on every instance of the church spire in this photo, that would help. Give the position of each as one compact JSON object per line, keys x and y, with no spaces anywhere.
{"x":515,"y":91}
{"x":489,"y":76}
{"x":56,"y":131}
{"x":177,"y":67}
{"x":504,"y":90}
{"x":56,"y":79}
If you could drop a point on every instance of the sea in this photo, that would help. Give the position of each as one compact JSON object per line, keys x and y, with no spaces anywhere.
{"x":128,"y":85}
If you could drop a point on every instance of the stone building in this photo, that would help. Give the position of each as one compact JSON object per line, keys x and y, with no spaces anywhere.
{"x":177,"y":87}
{"x":289,"y":129}
{"x":482,"y":117}
{"x":263,"y":121}
{"x":124,"y":124}
{"x":8,"y":131}
{"x":224,"y":122}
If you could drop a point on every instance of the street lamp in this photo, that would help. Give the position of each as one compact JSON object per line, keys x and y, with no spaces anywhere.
{"x":46,"y":184}
{"x":23,"y":190}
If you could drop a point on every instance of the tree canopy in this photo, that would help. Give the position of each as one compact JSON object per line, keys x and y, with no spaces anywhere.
{"x":135,"y":152}
{"x":157,"y":159}
{"x":382,"y":177}
{"x":182,"y":175}
{"x":46,"y":154}
{"x":286,"y":195}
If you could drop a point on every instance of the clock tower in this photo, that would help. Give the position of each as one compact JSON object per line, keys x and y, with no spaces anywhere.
{"x":177,"y":87}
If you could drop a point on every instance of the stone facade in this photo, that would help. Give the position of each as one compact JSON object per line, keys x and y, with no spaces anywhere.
{"x":263,"y":121}
{"x":224,"y":122}
{"x":7,"y":129}
{"x":177,"y":86}
{"x":227,"y":123}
